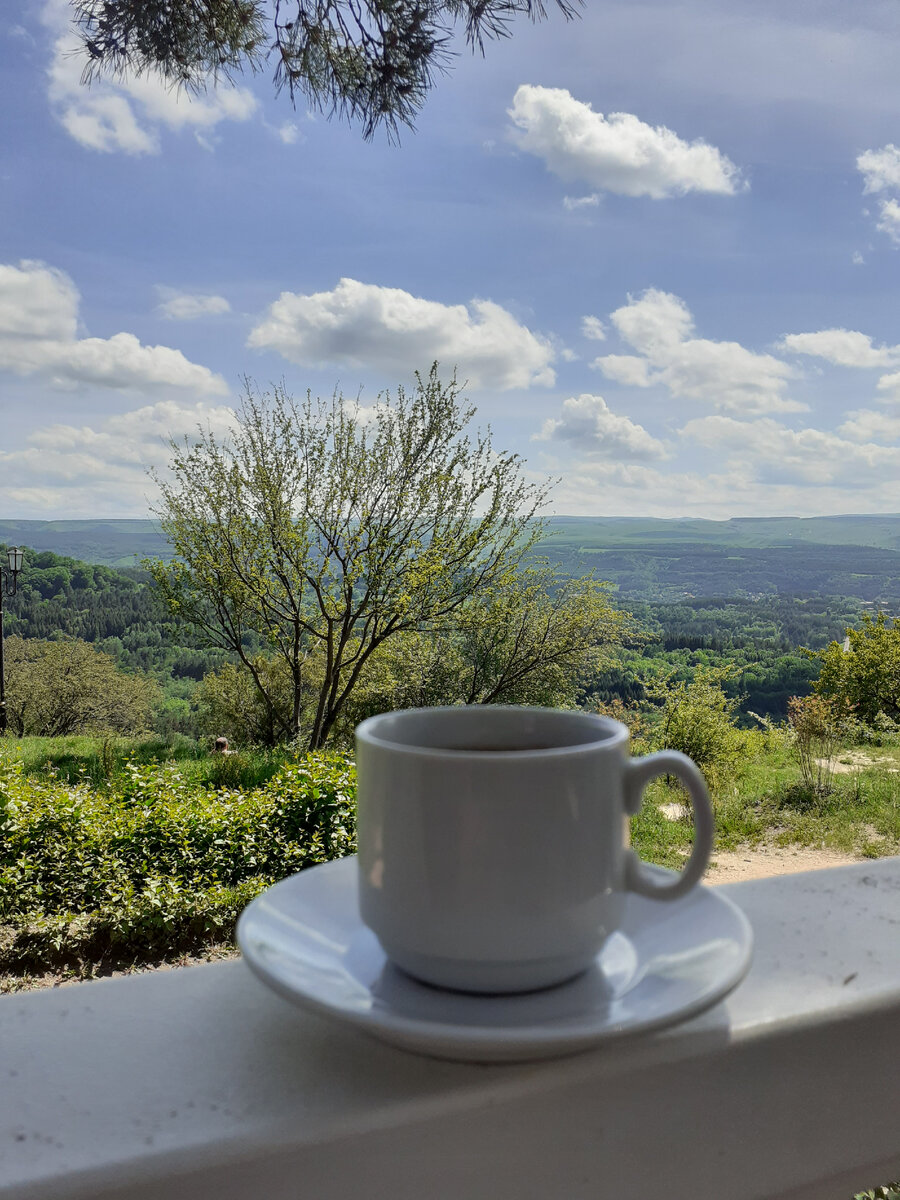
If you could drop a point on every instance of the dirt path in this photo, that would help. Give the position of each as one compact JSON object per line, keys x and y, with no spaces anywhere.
{"x":762,"y":861}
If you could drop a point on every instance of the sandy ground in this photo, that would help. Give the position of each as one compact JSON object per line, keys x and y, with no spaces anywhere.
{"x":856,"y":760}
{"x":733,"y":866}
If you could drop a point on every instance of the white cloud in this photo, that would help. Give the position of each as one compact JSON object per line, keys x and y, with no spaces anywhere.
{"x":625,"y":368}
{"x":364,"y":325}
{"x":890,"y":220}
{"x":843,"y":347}
{"x":185,"y":306}
{"x":593,"y":486}
{"x":815,"y":457}
{"x":848,"y":348}
{"x":891,"y":385}
{"x":126,"y":115}
{"x":615,"y":153}
{"x":867,"y":425}
{"x":39,"y":336}
{"x":289,"y":133}
{"x":659,"y":326}
{"x":575,"y":202}
{"x":880,"y":170}
{"x":101,"y":469}
{"x":588,"y":424}
{"x":136,"y":436}
{"x":593,"y":329}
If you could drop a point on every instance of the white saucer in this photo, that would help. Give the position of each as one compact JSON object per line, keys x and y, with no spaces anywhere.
{"x":670,"y":961}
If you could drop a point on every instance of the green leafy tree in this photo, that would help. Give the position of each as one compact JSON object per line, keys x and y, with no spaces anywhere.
{"x":866,"y":676}
{"x":373,"y":61}
{"x":698,"y":718}
{"x":64,"y":687}
{"x":529,"y":639}
{"x":533,"y":636}
{"x":326,"y":530}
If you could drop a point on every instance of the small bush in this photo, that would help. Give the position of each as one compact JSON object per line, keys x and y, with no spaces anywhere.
{"x":159,"y":866}
{"x":799,"y":796}
{"x":631,"y":715}
{"x":698,"y":718}
{"x":819,"y":728}
{"x":881,"y":731}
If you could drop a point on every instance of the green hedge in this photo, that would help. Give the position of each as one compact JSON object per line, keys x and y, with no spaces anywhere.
{"x":157,"y":866}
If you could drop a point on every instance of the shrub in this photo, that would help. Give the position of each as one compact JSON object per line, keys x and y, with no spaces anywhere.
{"x":159,"y":866}
{"x":231,"y":703}
{"x":698,"y":718}
{"x":819,"y":728}
{"x":631,"y":715}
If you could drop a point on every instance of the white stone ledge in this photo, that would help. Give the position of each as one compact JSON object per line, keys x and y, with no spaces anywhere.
{"x":199,"y":1083}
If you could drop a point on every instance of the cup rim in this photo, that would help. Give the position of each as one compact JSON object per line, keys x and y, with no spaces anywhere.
{"x":619,"y":734}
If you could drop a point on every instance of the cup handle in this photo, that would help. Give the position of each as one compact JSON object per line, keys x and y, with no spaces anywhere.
{"x":638,"y":773}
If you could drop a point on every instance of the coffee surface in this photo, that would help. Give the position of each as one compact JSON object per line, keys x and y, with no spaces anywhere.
{"x":506,"y":749}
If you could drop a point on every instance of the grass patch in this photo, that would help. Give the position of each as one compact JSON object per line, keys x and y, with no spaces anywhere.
{"x":766,"y":803}
{"x":102,"y":762}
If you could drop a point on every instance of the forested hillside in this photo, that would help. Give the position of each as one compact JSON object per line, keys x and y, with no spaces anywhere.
{"x":759,"y":639}
{"x":671,"y":572}
{"x":119,"y":612}
{"x":113,"y":543}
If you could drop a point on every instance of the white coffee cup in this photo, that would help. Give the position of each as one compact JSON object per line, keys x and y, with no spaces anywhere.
{"x":492,"y":840}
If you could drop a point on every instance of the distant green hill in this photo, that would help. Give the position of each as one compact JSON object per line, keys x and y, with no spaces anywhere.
{"x":106,"y":543}
{"x":879,"y":530}
{"x":651,"y":559}
{"x":647,"y":558}
{"x":745,"y":606}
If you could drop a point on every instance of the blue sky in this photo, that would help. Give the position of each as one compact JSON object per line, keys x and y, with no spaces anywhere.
{"x":660,"y":242}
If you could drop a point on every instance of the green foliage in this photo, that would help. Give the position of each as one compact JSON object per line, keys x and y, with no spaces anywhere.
{"x":110,"y":857}
{"x":865,"y":677}
{"x":370,"y":61}
{"x":758,"y":639}
{"x":159,"y":864}
{"x":101,"y":761}
{"x":119,"y":613}
{"x":819,"y":727}
{"x":697,"y":717}
{"x":324,"y":534}
{"x":62,"y":687}
{"x":531,"y":638}
{"x":231,"y":700}
{"x":887,"y":1191}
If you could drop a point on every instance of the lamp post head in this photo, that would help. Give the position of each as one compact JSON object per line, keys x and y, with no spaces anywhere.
{"x":15,"y":556}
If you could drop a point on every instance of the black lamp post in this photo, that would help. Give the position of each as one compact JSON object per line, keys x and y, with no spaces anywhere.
{"x":8,"y":584}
